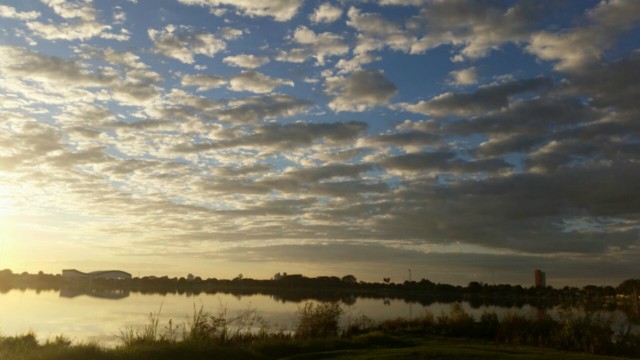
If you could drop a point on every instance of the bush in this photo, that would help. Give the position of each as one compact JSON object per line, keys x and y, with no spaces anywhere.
{"x":359,"y":325}
{"x":220,"y":329}
{"x":319,"y":320}
{"x":456,"y":323}
{"x":584,"y":331}
{"x":489,"y":323}
{"x":24,"y":342}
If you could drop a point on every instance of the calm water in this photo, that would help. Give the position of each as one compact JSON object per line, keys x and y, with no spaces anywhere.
{"x":88,"y":318}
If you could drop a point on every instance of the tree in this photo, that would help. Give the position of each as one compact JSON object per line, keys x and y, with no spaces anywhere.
{"x":628,"y":287}
{"x":349,"y":279}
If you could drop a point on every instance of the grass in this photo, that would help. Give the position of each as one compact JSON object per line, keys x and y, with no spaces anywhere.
{"x":375,"y":345}
{"x":448,"y":348}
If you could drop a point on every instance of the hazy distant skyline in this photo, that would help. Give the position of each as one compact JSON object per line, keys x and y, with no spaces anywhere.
{"x":465,"y":140}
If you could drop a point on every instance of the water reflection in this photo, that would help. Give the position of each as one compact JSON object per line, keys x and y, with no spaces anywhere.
{"x":111,"y":294}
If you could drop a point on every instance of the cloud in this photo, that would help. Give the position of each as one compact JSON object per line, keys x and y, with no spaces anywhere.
{"x":251,"y":81}
{"x":403,"y":2}
{"x":360,"y":91}
{"x":378,"y":32}
{"x":279,"y":10}
{"x":443,"y":161}
{"x":72,"y":9}
{"x":475,"y":27}
{"x":204,"y":82}
{"x":583,"y":46}
{"x":20,"y":62}
{"x":256,"y":82}
{"x":320,"y":46}
{"x":246,"y":61}
{"x":61,"y":81}
{"x":536,"y":116}
{"x":573,"y":50}
{"x":611,"y":84}
{"x":467,"y":76}
{"x":409,"y":139}
{"x":502,"y":145}
{"x":83,"y":23}
{"x":11,"y":13}
{"x":280,"y":137}
{"x":326,"y":13}
{"x":65,"y":31}
{"x":259,"y":108}
{"x":182,"y":44}
{"x":487,"y":98}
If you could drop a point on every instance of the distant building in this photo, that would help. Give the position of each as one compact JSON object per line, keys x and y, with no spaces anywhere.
{"x":540,"y":278}
{"x":105,"y":274}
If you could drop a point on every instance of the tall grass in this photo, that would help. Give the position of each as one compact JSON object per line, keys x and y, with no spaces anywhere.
{"x":218,"y":328}
{"x":318,"y":320}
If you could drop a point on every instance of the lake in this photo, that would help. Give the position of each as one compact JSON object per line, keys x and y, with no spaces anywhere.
{"x":101,"y":317}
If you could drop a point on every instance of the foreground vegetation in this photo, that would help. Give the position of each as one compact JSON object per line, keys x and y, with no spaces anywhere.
{"x":369,"y":346}
{"x":317,"y":334}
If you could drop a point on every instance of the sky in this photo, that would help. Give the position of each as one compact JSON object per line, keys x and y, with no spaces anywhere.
{"x":456,"y":141}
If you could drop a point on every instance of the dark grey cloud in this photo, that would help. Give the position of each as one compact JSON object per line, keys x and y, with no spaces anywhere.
{"x":406,"y":138}
{"x":359,"y":91}
{"x":477,"y":27}
{"x":486,"y":98}
{"x":328,"y":171}
{"x":282,"y":137}
{"x":243,"y":170}
{"x":444,"y":161}
{"x":611,"y":84}
{"x":258,"y":108}
{"x":502,"y":145}
{"x":536,"y":116}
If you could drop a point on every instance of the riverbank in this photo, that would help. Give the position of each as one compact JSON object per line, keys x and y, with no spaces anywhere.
{"x":373,"y":345}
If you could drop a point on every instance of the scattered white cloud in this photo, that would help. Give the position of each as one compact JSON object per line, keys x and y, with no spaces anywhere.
{"x":256,"y":82}
{"x":12,"y":13}
{"x":204,"y":82}
{"x":182,"y":43}
{"x":316,"y":45}
{"x":467,"y":76}
{"x":580,"y":47}
{"x":73,"y":9}
{"x":246,"y":61}
{"x":326,"y":13}
{"x":279,"y":10}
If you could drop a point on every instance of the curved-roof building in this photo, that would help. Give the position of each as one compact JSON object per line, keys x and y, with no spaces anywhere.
{"x":103,"y":274}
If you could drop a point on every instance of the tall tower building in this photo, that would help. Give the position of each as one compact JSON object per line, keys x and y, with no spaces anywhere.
{"x":540,"y":278}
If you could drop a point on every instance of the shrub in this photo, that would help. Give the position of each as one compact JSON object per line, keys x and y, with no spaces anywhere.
{"x":359,"y":325}
{"x":488,"y":326}
{"x":219,"y":328}
{"x":319,"y":320}
{"x":146,"y":335}
{"x":456,"y":323}
{"x":584,"y":331}
{"x":23,"y":342}
{"x":513,"y":329}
